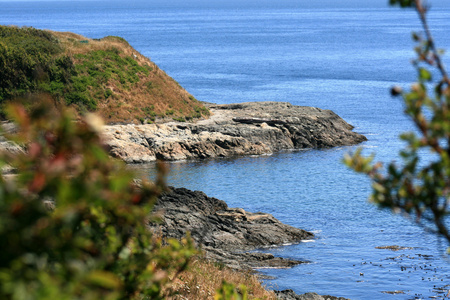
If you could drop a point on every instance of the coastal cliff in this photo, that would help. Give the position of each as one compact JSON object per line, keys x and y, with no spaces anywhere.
{"x":253,"y":128}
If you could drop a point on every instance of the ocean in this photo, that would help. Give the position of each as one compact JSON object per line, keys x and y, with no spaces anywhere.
{"x":343,"y":56}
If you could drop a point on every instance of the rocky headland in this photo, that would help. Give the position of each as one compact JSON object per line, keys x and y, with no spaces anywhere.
{"x":226,"y":235}
{"x":253,"y":128}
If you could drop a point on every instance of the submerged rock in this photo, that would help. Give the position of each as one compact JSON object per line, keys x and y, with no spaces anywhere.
{"x":291,"y":295}
{"x":252,"y":128}
{"x":394,"y":248}
{"x":225,"y":234}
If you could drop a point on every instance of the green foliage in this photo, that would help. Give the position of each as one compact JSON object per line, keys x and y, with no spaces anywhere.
{"x":229,"y":292}
{"x":149,"y":112}
{"x":108,"y":93}
{"x":73,"y":221}
{"x":201,"y":110}
{"x":420,"y":186}
{"x":32,"y":41}
{"x":403,"y":3}
{"x":31,"y":60}
{"x":179,"y":119}
{"x":80,"y":73}
{"x":95,"y":70}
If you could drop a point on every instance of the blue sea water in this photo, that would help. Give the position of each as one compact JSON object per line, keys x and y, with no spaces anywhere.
{"x":328,"y":54}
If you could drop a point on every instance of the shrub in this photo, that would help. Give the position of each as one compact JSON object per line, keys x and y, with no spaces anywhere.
{"x":73,"y":221}
{"x":420,"y":185}
{"x":170,"y":112}
{"x":179,"y":119}
{"x":108,"y":93}
{"x":29,"y":57}
{"x":32,"y":61}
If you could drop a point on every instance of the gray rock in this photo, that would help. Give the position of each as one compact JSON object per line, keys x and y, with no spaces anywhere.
{"x":6,"y":145}
{"x":226,"y":234}
{"x":291,"y":295}
{"x":233,"y":130}
{"x":253,"y":128}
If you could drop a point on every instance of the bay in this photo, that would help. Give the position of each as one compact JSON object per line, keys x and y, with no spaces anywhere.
{"x":339,"y":56}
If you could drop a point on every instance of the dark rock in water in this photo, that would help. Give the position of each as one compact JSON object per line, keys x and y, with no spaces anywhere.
{"x":291,"y":295}
{"x":252,"y":128}
{"x":394,"y":248}
{"x":249,"y":260}
{"x":225,"y":233}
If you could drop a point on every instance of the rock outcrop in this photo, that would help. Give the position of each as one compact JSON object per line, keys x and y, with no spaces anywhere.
{"x":228,"y":235}
{"x":225,"y":233}
{"x":290,"y":295}
{"x":234,"y":129}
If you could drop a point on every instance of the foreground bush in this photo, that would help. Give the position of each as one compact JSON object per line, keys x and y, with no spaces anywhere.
{"x":73,"y":221}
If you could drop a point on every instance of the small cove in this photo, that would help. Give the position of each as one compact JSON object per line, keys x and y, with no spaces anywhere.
{"x":347,"y":228}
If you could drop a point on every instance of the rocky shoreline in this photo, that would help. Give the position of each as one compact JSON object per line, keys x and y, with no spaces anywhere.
{"x":230,"y":236}
{"x":227,"y":235}
{"x":252,"y":128}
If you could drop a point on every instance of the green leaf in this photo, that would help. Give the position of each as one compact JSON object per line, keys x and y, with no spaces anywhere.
{"x":104,"y":279}
{"x":424,"y":74}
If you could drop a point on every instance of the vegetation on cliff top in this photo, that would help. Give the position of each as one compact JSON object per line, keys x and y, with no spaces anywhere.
{"x":106,"y":76}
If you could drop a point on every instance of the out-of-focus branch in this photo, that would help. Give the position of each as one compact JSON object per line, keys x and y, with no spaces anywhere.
{"x":422,"y":11}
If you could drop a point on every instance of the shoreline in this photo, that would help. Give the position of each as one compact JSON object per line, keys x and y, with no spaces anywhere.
{"x":230,"y":236}
{"x":233,"y":130}
{"x":227,"y":235}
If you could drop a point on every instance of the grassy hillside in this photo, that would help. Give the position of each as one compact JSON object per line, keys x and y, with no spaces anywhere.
{"x":105,"y":75}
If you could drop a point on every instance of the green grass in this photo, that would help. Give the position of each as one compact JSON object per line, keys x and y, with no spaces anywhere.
{"x":32,"y":60}
{"x":93,"y":72}
{"x":91,"y":75}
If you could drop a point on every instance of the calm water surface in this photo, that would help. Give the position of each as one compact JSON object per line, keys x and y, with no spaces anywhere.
{"x":341,"y":58}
